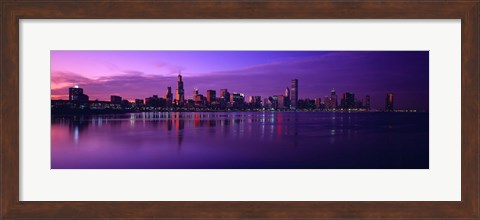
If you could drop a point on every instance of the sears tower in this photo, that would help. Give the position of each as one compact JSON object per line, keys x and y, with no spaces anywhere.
{"x":180,"y":93}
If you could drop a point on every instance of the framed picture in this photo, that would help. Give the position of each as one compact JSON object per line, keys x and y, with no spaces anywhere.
{"x":286,"y":127}
{"x":240,"y":109}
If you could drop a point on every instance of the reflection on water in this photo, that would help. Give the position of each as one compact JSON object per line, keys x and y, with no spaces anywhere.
{"x":266,"y":140}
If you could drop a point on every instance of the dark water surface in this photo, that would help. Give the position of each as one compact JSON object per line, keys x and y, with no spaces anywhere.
{"x":241,"y":140}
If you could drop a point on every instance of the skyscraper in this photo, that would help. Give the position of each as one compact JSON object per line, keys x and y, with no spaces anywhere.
{"x":359,"y":104}
{"x":281,"y":102}
{"x":237,"y":99}
{"x":76,"y":94}
{"x":169,"y":97}
{"x":294,"y":94}
{"x":225,"y":95}
{"x":139,"y":102}
{"x":154,"y":101}
{"x":318,"y":102}
{"x":287,"y":92}
{"x":195,"y":93}
{"x":389,"y":102}
{"x":348,"y":100}
{"x":115,"y":99}
{"x":367,"y":102}
{"x":333,"y":98}
{"x":180,"y":93}
{"x":255,"y":101}
{"x":198,"y":98}
{"x":258,"y":101}
{"x":328,"y":102}
{"x":266,"y":103}
{"x":274,"y":101}
{"x":287,"y":97}
{"x":211,"y":96}
{"x":224,"y":98}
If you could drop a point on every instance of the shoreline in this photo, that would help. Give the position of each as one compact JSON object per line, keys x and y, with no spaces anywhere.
{"x":120,"y":112}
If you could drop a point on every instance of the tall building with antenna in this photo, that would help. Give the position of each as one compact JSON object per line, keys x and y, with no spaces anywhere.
{"x":180,"y":92}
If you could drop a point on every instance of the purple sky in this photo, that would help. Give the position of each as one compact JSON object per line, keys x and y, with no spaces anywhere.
{"x":141,"y":74}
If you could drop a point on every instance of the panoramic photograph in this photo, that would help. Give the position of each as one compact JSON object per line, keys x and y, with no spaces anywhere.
{"x":239,"y":109}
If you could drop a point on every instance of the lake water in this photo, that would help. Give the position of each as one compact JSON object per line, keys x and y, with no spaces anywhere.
{"x":241,"y":140}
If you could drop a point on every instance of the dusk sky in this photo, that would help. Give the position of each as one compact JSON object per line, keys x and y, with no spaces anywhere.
{"x":141,"y":74}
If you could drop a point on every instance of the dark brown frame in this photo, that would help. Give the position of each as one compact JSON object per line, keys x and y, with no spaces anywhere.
{"x":11,"y":11}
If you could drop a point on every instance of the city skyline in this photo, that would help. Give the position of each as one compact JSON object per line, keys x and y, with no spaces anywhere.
{"x":226,"y":101}
{"x":404,"y":72}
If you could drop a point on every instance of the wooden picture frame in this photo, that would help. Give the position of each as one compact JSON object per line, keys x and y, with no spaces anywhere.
{"x":12,"y":11}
